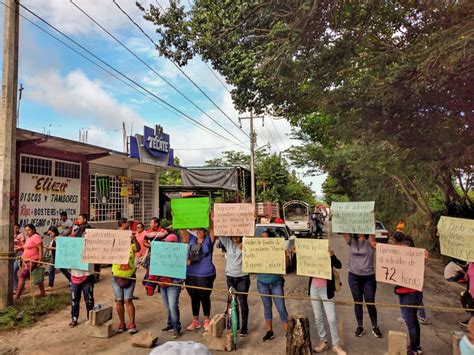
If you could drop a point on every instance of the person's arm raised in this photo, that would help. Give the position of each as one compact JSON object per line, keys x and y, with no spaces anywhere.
{"x":184,"y":235}
{"x":372,"y":241}
{"x":211,"y":227}
{"x":347,"y":237}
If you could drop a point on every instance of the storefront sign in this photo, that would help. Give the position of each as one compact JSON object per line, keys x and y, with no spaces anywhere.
{"x":153,"y":147}
{"x":42,"y":198}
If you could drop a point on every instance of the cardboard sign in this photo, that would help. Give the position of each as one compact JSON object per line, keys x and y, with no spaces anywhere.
{"x":456,"y":237}
{"x":190,"y":212}
{"x":400,"y":265}
{"x":263,"y":255}
{"x":234,"y":219}
{"x":353,"y":217}
{"x":312,"y":258}
{"x":69,"y":254}
{"x":105,"y":246}
{"x":168,"y":259}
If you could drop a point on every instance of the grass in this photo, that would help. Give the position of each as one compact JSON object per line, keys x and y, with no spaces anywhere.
{"x":23,"y":314}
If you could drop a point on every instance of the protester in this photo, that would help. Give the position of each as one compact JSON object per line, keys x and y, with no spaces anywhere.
{"x":53,"y":232}
{"x":408,"y":296}
{"x":64,"y":225}
{"x":453,"y":272}
{"x":401,"y":226}
{"x":200,"y":272}
{"x":466,"y":345}
{"x":362,"y":279}
{"x":323,"y":290}
{"x":32,"y":255}
{"x":170,"y":293}
{"x":140,"y":234}
{"x":271,"y":284}
{"x":124,"y":285}
{"x":236,"y":278}
{"x":467,"y":295}
{"x":18,"y":243}
{"x":82,"y":225}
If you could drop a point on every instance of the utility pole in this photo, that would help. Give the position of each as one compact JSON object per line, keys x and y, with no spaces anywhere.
{"x":8,"y":118}
{"x":253,"y":139}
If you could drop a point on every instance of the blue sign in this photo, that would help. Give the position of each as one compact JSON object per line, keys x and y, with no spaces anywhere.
{"x":153,"y":147}
{"x":169,"y":259}
{"x":69,"y":254}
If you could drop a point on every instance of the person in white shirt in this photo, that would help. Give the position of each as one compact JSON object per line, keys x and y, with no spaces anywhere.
{"x":64,"y":225}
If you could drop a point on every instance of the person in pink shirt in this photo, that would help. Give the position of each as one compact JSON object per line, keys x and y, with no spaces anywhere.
{"x":468,"y":295}
{"x":140,"y":234}
{"x":32,"y":251}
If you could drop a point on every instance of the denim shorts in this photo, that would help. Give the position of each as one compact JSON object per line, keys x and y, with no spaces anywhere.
{"x":123,"y":294}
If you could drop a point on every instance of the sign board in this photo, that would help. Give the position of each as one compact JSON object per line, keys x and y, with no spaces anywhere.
{"x":43,"y":197}
{"x":313,"y":258}
{"x":69,"y":254}
{"x":400,"y":265}
{"x":263,"y":255}
{"x":353,"y":217}
{"x":456,"y":237}
{"x":190,"y":212}
{"x":153,"y":147}
{"x":105,"y":246}
{"x":169,"y":259}
{"x":234,"y":219}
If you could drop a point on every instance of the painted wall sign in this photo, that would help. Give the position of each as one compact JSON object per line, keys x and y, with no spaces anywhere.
{"x":42,"y":198}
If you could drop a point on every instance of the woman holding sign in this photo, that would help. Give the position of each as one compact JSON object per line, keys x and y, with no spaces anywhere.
{"x":200,"y":272}
{"x":322,"y":290}
{"x":362,"y":278}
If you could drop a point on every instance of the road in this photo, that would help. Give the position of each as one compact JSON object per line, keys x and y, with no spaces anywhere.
{"x":52,"y":335}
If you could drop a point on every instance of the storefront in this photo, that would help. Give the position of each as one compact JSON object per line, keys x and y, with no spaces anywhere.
{"x":55,"y":174}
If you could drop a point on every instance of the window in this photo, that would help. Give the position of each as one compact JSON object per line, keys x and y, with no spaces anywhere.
{"x":115,"y":206}
{"x":33,"y":165}
{"x":67,"y":170}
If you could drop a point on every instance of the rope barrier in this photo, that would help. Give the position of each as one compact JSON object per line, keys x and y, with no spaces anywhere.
{"x":291,"y":297}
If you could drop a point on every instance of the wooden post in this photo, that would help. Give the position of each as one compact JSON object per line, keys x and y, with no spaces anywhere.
{"x":298,"y":337}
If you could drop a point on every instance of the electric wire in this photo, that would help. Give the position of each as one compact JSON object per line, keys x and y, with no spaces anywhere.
{"x":149,"y":67}
{"x":217,"y":77}
{"x":178,"y":67}
{"x":184,"y":115}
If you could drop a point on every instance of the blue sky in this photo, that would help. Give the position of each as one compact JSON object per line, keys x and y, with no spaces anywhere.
{"x":65,"y":93}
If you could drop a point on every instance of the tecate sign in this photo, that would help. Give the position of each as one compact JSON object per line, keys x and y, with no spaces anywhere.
{"x":156,"y":140}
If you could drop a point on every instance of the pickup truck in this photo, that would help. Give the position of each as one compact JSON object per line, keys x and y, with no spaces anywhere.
{"x":296,"y":216}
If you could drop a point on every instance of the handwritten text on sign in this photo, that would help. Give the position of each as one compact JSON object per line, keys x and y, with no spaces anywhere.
{"x":234,"y":219}
{"x":263,"y":255}
{"x":313,"y":258}
{"x":353,"y":217}
{"x":457,"y":237}
{"x":104,"y":246}
{"x":69,"y":254}
{"x":400,"y":265}
{"x":168,"y":259}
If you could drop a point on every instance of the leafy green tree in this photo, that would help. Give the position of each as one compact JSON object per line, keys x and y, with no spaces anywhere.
{"x":171,"y":178}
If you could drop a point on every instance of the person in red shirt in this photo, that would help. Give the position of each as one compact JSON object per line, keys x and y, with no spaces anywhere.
{"x":32,"y":252}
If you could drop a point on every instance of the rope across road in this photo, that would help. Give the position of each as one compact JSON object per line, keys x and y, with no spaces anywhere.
{"x":289,"y":297}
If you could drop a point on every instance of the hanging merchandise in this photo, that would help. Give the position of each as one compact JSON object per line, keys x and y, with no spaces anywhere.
{"x":103,"y":188}
{"x":123,"y":186}
{"x":137,"y":191}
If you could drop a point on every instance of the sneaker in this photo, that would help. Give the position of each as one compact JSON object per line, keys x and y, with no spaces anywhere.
{"x":401,"y":320}
{"x":423,"y":321}
{"x":338,"y":350}
{"x":464,"y":323}
{"x":176,"y":334}
{"x":132,"y":328}
{"x":206,"y":324}
{"x":323,"y":346}
{"x":121,"y":328}
{"x":73,"y":323}
{"x":243,"y":332}
{"x":359,"y":332}
{"x":268,"y":336}
{"x":377,"y":333}
{"x":195,"y":325}
{"x":49,"y":289}
{"x":166,"y":329}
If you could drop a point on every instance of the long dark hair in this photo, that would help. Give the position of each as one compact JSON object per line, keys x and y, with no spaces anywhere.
{"x":32,"y":227}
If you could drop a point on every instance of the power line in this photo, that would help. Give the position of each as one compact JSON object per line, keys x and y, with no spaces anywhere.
{"x":125,"y":76}
{"x":177,"y":66}
{"x":217,"y":77}
{"x":277,"y":131}
{"x":149,"y":67}
{"x":273,"y":139}
{"x":214,"y":148}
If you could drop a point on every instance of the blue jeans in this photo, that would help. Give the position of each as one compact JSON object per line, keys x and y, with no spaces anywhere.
{"x":363,"y":288}
{"x":321,"y":294}
{"x":51,"y":275}
{"x":16,"y":268}
{"x":411,"y":318}
{"x":87,"y":288}
{"x":274,"y":288}
{"x":123,"y":293}
{"x":170,"y":297}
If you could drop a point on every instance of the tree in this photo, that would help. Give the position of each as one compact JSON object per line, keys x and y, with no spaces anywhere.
{"x":173,"y":177}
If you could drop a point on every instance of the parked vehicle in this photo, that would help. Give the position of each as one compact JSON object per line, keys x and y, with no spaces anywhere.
{"x":297,"y":217}
{"x":268,"y":210}
{"x":280,"y":231}
{"x":381,"y":234}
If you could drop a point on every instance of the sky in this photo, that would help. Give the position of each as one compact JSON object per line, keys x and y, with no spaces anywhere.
{"x":65,"y":93}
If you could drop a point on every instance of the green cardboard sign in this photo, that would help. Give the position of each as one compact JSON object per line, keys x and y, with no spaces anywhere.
{"x":190,"y":212}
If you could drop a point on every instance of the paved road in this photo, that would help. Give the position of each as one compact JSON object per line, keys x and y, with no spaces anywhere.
{"x":60,"y":339}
